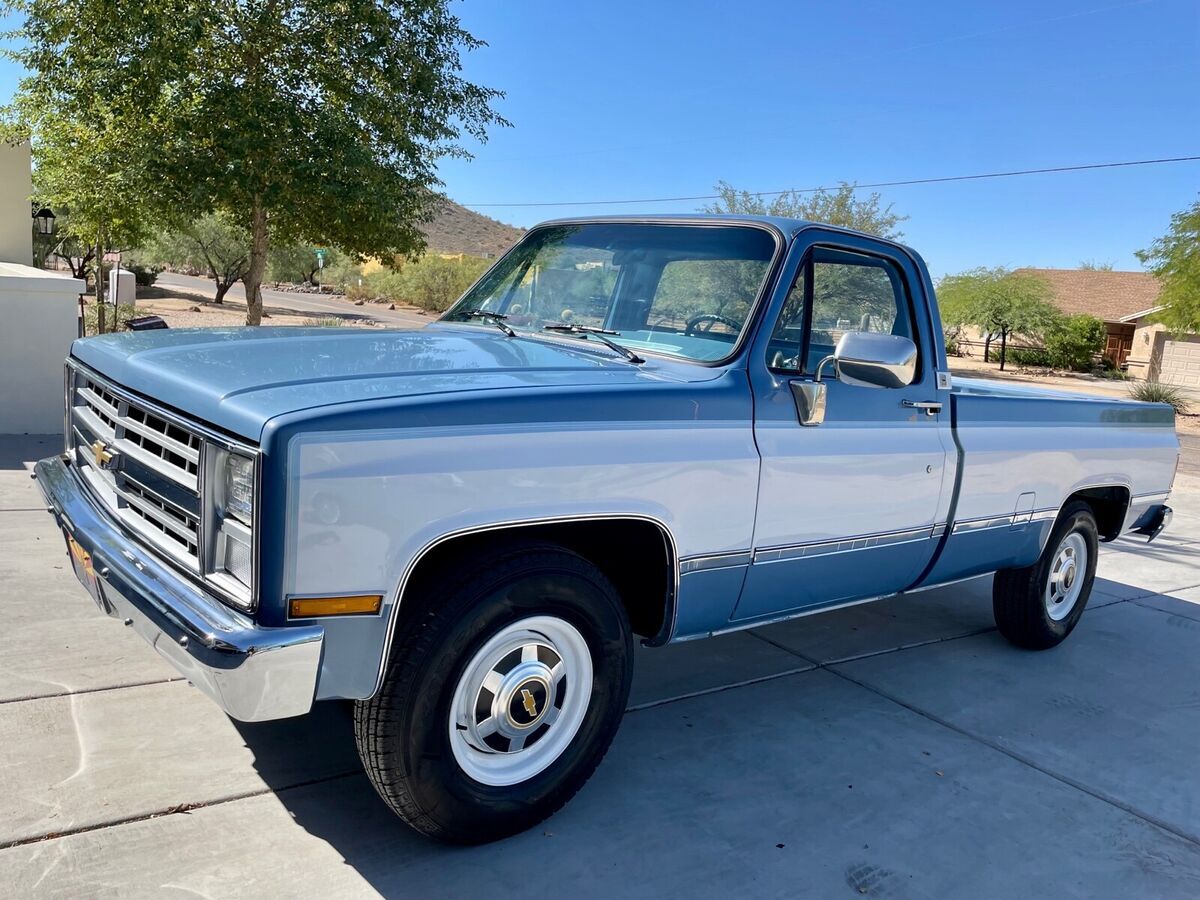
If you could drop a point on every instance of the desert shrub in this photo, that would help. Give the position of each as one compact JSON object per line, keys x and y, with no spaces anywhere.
{"x":1026,"y":356}
{"x":431,"y":282}
{"x":143,"y":275}
{"x":1157,"y":392}
{"x":434,"y":283}
{"x":341,"y":273}
{"x":323,"y":322}
{"x":1074,"y":342}
{"x":125,"y":312}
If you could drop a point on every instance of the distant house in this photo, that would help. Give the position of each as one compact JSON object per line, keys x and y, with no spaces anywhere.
{"x":1125,"y":301}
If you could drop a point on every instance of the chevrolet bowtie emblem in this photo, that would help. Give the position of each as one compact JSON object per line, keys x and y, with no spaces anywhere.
{"x":102,"y":455}
{"x":529,"y":703}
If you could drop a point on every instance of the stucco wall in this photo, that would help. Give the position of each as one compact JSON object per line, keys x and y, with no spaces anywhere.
{"x":1144,"y":356}
{"x":40,"y":311}
{"x":16,"y":225}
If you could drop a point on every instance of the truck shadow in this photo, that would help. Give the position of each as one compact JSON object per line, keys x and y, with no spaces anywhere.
{"x":20,"y":451}
{"x":793,"y":779}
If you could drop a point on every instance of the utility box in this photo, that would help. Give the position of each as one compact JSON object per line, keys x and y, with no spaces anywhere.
{"x":122,"y":286}
{"x":40,"y":310}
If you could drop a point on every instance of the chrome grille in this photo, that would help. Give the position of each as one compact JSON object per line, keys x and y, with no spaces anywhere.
{"x":154,"y":486}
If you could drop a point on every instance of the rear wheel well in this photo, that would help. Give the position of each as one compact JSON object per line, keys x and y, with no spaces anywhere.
{"x":636,"y":555}
{"x":1109,"y":505}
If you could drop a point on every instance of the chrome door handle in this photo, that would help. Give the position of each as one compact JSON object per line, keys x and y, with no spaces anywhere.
{"x":931,"y":407}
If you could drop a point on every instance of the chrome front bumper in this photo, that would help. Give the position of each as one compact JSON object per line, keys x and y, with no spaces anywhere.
{"x":253,"y":673}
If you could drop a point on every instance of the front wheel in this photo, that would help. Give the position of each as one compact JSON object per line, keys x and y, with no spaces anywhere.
{"x":1037,"y":606}
{"x":506,"y":685}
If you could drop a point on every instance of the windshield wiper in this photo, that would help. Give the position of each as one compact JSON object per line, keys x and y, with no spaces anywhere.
{"x":598,"y":334}
{"x":495,"y":318}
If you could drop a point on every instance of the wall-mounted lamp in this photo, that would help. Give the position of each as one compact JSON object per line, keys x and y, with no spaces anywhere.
{"x":45,"y":221}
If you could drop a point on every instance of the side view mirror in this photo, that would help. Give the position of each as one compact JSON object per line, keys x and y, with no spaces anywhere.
{"x":860,"y":358}
{"x":873,"y":360}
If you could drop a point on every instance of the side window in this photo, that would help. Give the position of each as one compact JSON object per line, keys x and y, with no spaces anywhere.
{"x":787,"y":340}
{"x":850,"y":292}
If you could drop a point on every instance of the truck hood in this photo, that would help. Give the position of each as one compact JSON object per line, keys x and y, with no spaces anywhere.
{"x":239,"y":378}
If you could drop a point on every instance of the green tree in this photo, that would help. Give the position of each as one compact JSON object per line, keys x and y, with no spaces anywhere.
{"x":1175,"y":259}
{"x":213,"y":244}
{"x":300,"y":120}
{"x":1074,"y":341}
{"x":1000,"y":302}
{"x":298,"y":263}
{"x":840,"y":207}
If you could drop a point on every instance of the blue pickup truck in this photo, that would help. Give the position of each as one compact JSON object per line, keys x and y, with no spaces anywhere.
{"x":658,"y":428}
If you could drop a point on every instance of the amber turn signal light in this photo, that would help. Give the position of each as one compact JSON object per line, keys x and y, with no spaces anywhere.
{"x":311,"y":607}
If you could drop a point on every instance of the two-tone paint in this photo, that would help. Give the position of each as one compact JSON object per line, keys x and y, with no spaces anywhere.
{"x":376,"y":447}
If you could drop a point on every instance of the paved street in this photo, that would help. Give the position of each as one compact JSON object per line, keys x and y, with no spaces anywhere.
{"x":900,"y":749}
{"x":316,"y":304}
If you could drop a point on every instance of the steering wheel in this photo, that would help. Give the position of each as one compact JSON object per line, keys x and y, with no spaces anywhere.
{"x":709,"y":320}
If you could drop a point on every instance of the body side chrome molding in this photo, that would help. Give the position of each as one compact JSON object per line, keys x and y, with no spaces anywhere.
{"x":715,"y":561}
{"x":666,"y":634}
{"x":783,"y":553}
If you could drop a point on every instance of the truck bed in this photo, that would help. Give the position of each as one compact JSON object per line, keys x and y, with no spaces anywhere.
{"x":1023,"y":451}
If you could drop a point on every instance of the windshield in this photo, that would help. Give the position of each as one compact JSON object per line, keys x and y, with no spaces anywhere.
{"x":684,"y":290}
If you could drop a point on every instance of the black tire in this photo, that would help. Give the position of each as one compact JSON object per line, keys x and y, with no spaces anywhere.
{"x":1019,"y":595}
{"x":403,"y":731}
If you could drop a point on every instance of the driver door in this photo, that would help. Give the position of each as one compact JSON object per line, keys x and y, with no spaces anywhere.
{"x":847,"y":509}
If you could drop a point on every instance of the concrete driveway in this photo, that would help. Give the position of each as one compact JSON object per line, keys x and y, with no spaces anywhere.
{"x":900,"y":749}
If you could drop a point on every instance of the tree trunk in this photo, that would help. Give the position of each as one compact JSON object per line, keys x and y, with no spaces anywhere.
{"x":99,"y":269}
{"x":222,"y":288}
{"x":258,"y":264}
{"x":1003,"y":347}
{"x":987,"y":344}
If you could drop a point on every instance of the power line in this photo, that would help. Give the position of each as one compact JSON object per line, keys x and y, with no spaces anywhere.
{"x":876,"y":184}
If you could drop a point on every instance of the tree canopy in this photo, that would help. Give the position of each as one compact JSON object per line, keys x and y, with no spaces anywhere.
{"x":299,"y":121}
{"x":841,"y":207}
{"x":1175,"y":259}
{"x":1000,"y":302}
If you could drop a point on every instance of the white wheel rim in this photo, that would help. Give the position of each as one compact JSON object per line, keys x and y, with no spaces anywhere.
{"x":1067,"y":574}
{"x":520,"y":701}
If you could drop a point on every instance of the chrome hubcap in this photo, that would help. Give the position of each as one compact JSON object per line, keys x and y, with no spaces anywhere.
{"x":520,"y":700}
{"x":1066,"y":576}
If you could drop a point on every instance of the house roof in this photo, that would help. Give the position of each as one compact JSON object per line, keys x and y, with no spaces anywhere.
{"x":1111,"y":296}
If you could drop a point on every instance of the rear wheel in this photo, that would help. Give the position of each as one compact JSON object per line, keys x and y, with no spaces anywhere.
{"x":1037,"y":606}
{"x":504,"y":690}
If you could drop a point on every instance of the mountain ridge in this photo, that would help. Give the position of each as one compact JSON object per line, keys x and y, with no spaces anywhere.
{"x":456,"y":229}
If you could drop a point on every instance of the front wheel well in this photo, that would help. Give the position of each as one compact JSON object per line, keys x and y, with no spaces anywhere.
{"x":1109,"y":506}
{"x":636,"y":555}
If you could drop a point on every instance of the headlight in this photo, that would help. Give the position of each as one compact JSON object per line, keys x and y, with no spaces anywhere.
{"x":230,"y":564}
{"x":239,"y":488}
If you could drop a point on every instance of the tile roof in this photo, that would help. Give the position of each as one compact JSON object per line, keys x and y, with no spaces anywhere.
{"x":1110,"y":296}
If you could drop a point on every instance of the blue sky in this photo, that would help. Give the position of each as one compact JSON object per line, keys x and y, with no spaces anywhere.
{"x":653,"y":99}
{"x":624,"y":99}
